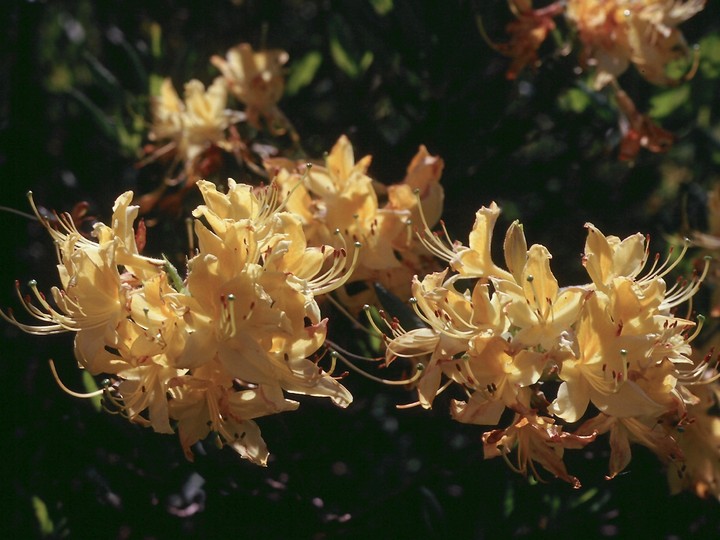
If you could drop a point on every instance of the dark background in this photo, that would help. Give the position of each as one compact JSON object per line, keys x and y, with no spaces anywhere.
{"x":544,"y":147}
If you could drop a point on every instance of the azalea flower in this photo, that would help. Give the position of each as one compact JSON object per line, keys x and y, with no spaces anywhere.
{"x":195,"y":124}
{"x":536,"y":439}
{"x":527,"y":33}
{"x":255,"y":78}
{"x":617,"y":33}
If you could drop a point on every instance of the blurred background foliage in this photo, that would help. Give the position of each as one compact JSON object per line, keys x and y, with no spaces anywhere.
{"x":391,"y":74}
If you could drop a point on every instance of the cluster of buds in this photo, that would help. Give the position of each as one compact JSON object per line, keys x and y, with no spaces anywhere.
{"x":613,"y":351}
{"x":212,"y":352}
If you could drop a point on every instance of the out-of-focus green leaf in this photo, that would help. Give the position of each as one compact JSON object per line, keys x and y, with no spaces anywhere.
{"x":343,"y":50}
{"x":155,"y":84}
{"x":574,"y":99}
{"x":667,"y":102}
{"x":303,"y":72}
{"x":509,"y":501}
{"x":382,"y":7}
{"x":156,"y":40}
{"x":710,"y":56}
{"x":43,"y":516}
{"x":91,"y":386}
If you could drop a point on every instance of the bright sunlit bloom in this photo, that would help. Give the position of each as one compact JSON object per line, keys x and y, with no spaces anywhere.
{"x":214,"y":351}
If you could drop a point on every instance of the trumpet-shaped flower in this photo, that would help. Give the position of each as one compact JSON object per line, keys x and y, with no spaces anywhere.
{"x":644,"y":33}
{"x":196,"y":123}
{"x":255,"y":78}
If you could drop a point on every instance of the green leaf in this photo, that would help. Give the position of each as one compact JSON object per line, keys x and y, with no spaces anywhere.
{"x":667,"y":102}
{"x":43,"y":516}
{"x":574,"y":100}
{"x":343,"y":50}
{"x":303,"y":72}
{"x":509,"y":501}
{"x":91,"y":386}
{"x":382,"y":7}
{"x":710,"y":56}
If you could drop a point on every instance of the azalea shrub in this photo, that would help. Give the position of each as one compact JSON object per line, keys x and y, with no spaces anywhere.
{"x":251,"y":271}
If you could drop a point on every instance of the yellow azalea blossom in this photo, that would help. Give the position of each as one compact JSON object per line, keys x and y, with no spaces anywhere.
{"x":527,"y":33}
{"x":474,"y":260}
{"x":536,"y":305}
{"x":496,"y":377}
{"x":536,"y":439}
{"x":421,"y":184}
{"x":95,"y":294}
{"x":608,"y":257}
{"x":616,"y":33}
{"x":699,"y":439}
{"x":346,"y":201}
{"x":255,"y":78}
{"x":196,"y":123}
{"x":462,"y":340}
{"x":599,"y":372}
{"x":202,"y":406}
{"x":624,"y":431}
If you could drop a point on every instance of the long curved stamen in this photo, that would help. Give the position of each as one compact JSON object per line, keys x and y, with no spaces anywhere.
{"x":339,"y":273}
{"x":438,"y":323}
{"x":684,"y":293}
{"x":417,"y":403}
{"x":72,"y":392}
{"x":667,"y":266}
{"x":414,"y":378}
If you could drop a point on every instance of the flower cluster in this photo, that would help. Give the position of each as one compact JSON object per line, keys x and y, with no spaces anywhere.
{"x":194,"y":135}
{"x":340,"y":196}
{"x":210,"y":353}
{"x":613,"y":35}
{"x":613,"y":350}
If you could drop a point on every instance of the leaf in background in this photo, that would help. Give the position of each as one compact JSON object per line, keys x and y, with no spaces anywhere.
{"x":343,"y":51}
{"x":667,"y":102}
{"x":43,"y":516}
{"x":710,"y":56}
{"x":574,"y":100}
{"x":382,"y":7}
{"x":90,"y":387}
{"x":303,"y":72}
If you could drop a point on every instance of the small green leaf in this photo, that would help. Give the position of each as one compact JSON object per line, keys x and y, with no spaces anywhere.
{"x":382,"y":7}
{"x":303,"y":72}
{"x":344,"y":51}
{"x":710,"y":56}
{"x":667,"y":102}
{"x":509,"y":502}
{"x":156,"y":40}
{"x":43,"y":516}
{"x":574,"y":100}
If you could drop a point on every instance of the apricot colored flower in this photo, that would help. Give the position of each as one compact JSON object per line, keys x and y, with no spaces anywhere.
{"x":195,"y":123}
{"x":617,"y":33}
{"x":255,"y":78}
